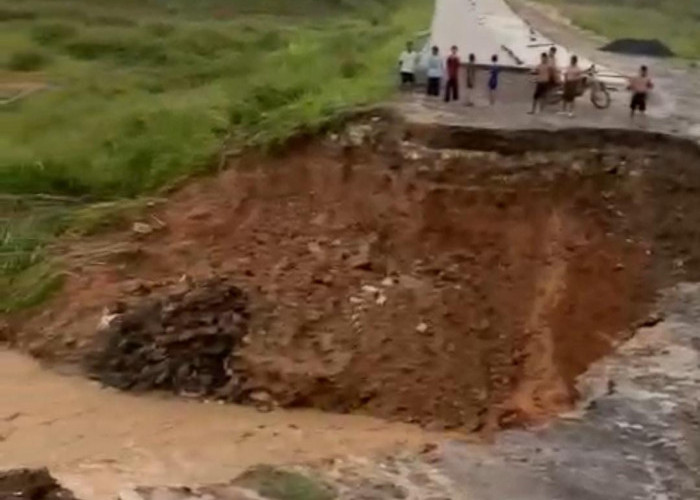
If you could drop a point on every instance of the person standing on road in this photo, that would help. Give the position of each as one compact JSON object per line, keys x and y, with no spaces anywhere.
{"x":407,"y":67}
{"x":572,"y":86}
{"x":555,"y":76}
{"x":543,"y":75}
{"x":436,"y":68}
{"x":452,"y":85}
{"x":494,"y":72}
{"x":471,"y":78}
{"x":640,"y":86}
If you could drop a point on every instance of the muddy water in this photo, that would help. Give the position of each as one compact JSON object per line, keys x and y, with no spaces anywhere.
{"x":97,"y":441}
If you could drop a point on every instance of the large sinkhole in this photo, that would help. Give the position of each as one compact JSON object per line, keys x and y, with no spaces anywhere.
{"x":454,"y":278}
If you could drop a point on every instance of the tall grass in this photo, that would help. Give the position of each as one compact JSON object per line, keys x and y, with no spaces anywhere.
{"x":141,"y":93}
{"x":674,"y":22}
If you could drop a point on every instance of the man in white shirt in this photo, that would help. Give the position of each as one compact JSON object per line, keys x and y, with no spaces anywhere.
{"x":436,"y":69}
{"x":407,"y":66}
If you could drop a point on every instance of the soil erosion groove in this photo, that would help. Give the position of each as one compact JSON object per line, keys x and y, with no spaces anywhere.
{"x":456,"y":278}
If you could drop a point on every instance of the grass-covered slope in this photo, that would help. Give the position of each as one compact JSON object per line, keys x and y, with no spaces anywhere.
{"x":126,"y":96}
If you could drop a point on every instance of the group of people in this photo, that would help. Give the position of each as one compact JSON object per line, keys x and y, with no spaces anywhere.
{"x":548,"y":77}
{"x":438,"y":69}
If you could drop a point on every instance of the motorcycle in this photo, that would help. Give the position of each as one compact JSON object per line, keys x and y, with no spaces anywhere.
{"x":599,"y":93}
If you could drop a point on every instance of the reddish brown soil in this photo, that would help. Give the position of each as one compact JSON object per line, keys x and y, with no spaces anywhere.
{"x":448,"y":288}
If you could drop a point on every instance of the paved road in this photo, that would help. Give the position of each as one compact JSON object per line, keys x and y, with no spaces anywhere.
{"x":677,"y":99}
{"x":485,"y":27}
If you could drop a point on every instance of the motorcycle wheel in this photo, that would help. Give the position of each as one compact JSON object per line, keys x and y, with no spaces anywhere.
{"x":600,"y":97}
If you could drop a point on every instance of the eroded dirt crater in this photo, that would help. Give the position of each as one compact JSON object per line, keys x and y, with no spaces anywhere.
{"x":451,"y":277}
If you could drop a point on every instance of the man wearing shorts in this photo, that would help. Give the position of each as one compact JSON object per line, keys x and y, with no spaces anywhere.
{"x":640,"y":86}
{"x":572,"y":86}
{"x":543,"y":76}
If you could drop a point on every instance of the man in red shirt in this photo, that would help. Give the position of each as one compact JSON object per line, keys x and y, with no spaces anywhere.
{"x":452,"y":86}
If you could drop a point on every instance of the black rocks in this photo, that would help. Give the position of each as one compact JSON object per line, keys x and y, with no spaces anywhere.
{"x":31,"y":484}
{"x":638,"y":47}
{"x":180,"y":339}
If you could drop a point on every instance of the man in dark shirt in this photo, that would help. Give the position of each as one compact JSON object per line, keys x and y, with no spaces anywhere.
{"x":452,"y":86}
{"x":471,"y":78}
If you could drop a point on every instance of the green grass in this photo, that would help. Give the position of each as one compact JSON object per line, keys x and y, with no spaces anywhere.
{"x":143,"y":93}
{"x":674,"y":22}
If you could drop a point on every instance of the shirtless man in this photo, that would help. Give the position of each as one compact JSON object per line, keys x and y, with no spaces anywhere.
{"x":572,"y":85}
{"x":543,"y":75}
{"x":640,"y":86}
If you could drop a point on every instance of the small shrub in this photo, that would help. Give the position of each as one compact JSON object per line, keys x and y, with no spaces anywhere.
{"x":122,"y":47}
{"x":270,"y":41}
{"x":206,"y":42}
{"x":16,"y":15}
{"x":27,"y":60}
{"x":160,"y":29}
{"x":113,"y":21}
{"x":46,"y":34}
{"x":350,"y":68}
{"x":268,"y":97}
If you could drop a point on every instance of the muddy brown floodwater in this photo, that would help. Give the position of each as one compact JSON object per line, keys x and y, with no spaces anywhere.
{"x":451,"y":277}
{"x":97,"y":441}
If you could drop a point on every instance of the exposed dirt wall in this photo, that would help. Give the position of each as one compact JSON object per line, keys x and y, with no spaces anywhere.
{"x":426,"y":280}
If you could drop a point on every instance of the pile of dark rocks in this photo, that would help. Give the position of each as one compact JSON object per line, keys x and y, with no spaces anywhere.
{"x":181,"y":339}
{"x":639,"y":47}
{"x":31,"y":484}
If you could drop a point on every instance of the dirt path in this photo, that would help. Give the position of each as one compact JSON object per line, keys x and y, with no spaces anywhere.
{"x":98,"y":441}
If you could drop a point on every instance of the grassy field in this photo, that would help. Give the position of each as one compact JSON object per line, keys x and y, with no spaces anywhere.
{"x":674,"y":22}
{"x":131,"y":95}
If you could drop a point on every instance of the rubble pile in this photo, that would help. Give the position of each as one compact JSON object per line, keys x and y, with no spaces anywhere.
{"x":31,"y":484}
{"x":181,"y":340}
{"x":639,"y":47}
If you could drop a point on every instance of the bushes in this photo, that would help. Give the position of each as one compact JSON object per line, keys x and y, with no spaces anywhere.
{"x":16,"y":14}
{"x":148,"y":103}
{"x":148,"y":97}
{"x":27,"y":60}
{"x":351,"y":67}
{"x":204,"y":42}
{"x":122,"y":47}
{"x":49,"y":33}
{"x":160,"y":28}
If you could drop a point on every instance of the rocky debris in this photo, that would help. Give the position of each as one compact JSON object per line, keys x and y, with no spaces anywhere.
{"x":142,"y":228}
{"x":182,"y":339}
{"x":652,"y":319}
{"x":351,"y":478}
{"x":275,"y":482}
{"x":31,"y":484}
{"x":638,"y":47}
{"x":219,"y":492}
{"x":262,"y":482}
